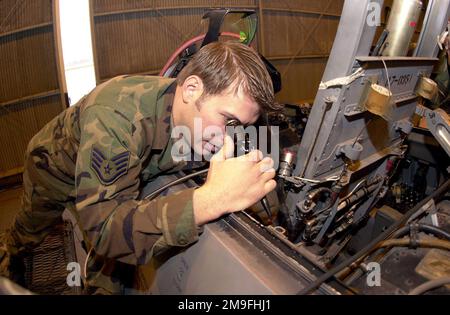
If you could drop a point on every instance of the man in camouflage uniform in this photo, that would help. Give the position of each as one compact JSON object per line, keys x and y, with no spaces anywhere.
{"x":94,"y":157}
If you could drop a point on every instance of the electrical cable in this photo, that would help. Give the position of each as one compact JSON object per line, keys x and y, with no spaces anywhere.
{"x":387,"y":76}
{"x":368,"y":248}
{"x":399,"y":233}
{"x":423,"y":228}
{"x":429,"y":285}
{"x":354,"y":189}
{"x":403,"y":242}
{"x":175,"y":182}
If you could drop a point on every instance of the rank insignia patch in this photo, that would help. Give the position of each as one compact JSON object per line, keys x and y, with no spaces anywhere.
{"x":108,"y":170}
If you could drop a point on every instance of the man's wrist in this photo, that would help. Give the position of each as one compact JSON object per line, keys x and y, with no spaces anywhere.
{"x":205,"y":207}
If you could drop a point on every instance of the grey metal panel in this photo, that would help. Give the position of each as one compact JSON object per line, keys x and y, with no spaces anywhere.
{"x":353,"y":38}
{"x":376,"y":135}
{"x":332,"y":124}
{"x":346,"y":123}
{"x":222,"y":262}
{"x":435,"y":21}
{"x":217,"y":264}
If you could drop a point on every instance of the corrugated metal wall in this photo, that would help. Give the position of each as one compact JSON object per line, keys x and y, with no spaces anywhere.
{"x":139,"y":36}
{"x":31,"y":85}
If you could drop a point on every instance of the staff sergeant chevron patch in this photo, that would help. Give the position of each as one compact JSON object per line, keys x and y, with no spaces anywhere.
{"x":108,"y":170}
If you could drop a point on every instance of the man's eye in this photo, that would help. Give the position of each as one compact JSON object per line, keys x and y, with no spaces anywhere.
{"x":233,"y":122}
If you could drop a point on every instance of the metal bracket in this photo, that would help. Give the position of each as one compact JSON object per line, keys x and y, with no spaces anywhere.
{"x":354,"y":109}
{"x":404,"y":125}
{"x":351,"y":151}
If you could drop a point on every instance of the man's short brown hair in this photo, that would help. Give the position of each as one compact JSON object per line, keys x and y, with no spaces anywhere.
{"x":221,"y":64}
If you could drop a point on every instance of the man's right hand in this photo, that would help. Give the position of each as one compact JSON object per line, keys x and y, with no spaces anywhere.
{"x":233,"y":184}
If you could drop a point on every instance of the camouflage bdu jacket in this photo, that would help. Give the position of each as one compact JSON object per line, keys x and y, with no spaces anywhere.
{"x":107,"y":144}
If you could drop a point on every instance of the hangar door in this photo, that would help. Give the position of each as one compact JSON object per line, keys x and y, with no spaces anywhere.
{"x":32,"y":88}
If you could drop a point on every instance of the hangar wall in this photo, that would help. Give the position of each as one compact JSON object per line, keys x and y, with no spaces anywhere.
{"x":139,"y":36}
{"x":32,"y":88}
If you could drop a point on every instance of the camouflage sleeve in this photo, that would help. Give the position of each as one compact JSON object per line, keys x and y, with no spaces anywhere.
{"x":107,"y":182}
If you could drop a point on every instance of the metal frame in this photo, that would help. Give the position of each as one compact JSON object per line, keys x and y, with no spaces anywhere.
{"x":330,"y":124}
{"x":353,"y":38}
{"x":435,"y":21}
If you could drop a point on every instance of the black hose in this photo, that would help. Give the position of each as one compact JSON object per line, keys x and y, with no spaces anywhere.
{"x":320,"y":280}
{"x":175,"y":182}
{"x":427,"y":243}
{"x":432,"y":284}
{"x":398,"y":234}
{"x":422,"y":228}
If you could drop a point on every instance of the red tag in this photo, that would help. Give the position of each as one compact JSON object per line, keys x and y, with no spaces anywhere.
{"x":412,"y":24}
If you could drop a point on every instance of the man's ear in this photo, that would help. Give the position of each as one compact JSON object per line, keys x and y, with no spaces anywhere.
{"x":192,"y":89}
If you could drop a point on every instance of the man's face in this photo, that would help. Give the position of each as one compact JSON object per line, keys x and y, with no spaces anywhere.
{"x":206,"y":117}
{"x":214,"y":113}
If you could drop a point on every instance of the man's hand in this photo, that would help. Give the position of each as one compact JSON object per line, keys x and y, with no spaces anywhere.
{"x":233,"y":184}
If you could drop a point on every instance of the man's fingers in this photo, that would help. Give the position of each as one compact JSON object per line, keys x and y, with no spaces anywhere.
{"x":265,"y":165}
{"x":269,"y":186}
{"x":253,"y":156}
{"x":267,"y":175}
